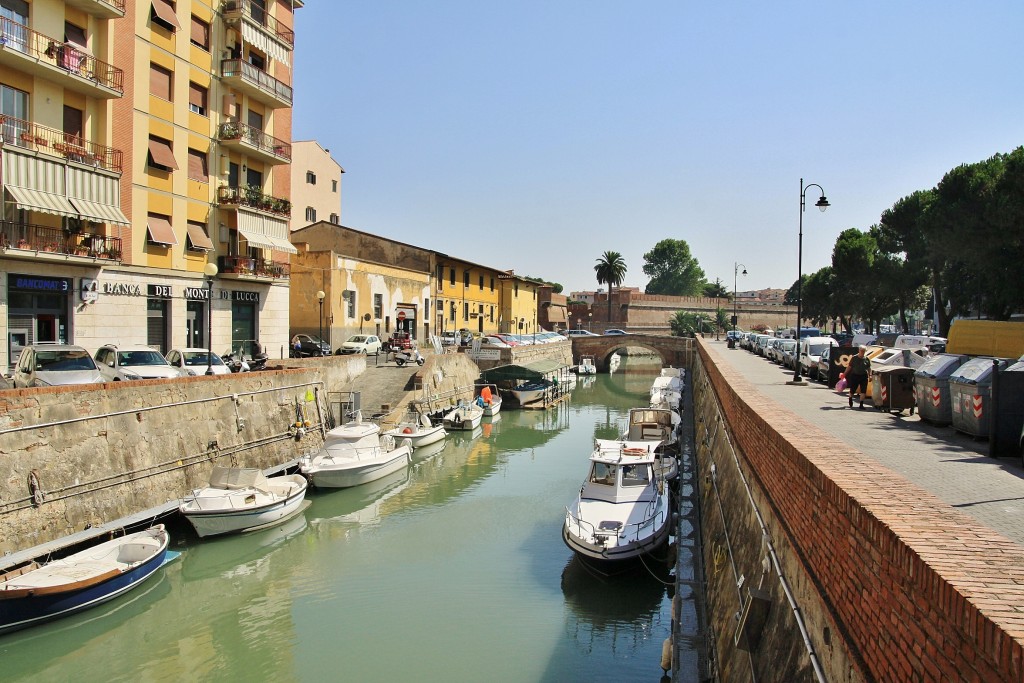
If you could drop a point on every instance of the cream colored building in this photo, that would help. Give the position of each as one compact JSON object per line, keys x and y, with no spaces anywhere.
{"x":153,"y":139}
{"x":316,"y":185}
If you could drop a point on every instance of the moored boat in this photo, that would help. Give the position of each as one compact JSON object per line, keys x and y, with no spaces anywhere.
{"x":36,"y":593}
{"x":586,"y":366}
{"x":623,"y":509}
{"x":354,"y":454}
{"x":241,"y":498}
{"x":532,"y":391}
{"x":418,"y":429}
{"x":489,"y":399}
{"x":464,"y":417}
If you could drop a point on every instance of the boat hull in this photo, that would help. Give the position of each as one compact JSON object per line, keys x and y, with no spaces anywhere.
{"x":620,"y":553}
{"x":422,"y":437}
{"x":347,"y":475}
{"x":218,"y":522}
{"x":22,"y":612}
{"x":493,"y":408}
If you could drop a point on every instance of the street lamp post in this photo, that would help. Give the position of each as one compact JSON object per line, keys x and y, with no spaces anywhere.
{"x":822,"y":204}
{"x":590,"y":322}
{"x":735,"y":272}
{"x":210,"y":270}
{"x":320,"y":339}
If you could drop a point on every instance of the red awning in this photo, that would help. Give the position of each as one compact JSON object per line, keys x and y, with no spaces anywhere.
{"x":160,"y":231}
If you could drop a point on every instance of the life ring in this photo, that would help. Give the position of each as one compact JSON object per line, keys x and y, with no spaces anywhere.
{"x":635,"y":451}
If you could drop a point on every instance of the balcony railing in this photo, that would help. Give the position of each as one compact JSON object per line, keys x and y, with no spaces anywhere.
{"x":247,"y":265}
{"x":259,"y":16}
{"x":253,"y":198}
{"x":67,"y":56}
{"x":41,"y":238}
{"x":258,"y":77}
{"x":232,"y":130}
{"x":28,"y":135}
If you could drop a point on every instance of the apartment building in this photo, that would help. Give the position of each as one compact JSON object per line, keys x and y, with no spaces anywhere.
{"x":145,"y":171}
{"x":316,"y":185}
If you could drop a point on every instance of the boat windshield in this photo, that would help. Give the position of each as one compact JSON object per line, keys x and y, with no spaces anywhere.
{"x":603,"y":473}
{"x":636,"y":475}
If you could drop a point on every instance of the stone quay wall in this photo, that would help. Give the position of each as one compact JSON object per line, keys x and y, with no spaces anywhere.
{"x":891,"y":583}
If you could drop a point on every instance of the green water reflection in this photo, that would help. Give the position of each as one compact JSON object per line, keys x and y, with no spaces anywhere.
{"x":452,"y":571}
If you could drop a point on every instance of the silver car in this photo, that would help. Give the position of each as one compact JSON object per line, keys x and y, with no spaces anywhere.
{"x":119,"y":363}
{"x":44,"y":365}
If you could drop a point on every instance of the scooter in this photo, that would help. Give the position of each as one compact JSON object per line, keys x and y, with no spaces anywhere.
{"x":258,"y":360}
{"x":404,"y":356}
{"x":234,"y":364}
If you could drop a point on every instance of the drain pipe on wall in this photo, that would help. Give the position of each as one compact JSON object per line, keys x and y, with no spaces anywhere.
{"x":766,"y":537}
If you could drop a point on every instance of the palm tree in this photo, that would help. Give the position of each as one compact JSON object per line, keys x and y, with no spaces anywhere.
{"x":610,"y":269}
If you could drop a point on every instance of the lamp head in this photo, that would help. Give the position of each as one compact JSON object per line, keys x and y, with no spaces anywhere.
{"x":744,"y":272}
{"x":822,"y":204}
{"x":320,"y":295}
{"x":210,"y":270}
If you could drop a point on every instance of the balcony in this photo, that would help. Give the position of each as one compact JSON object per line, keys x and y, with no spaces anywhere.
{"x":259,"y":18}
{"x":254,"y":142}
{"x":104,"y":9}
{"x":258,"y":84}
{"x":33,"y":241}
{"x":26,"y":50}
{"x":33,"y":137}
{"x":251,"y":197}
{"x":249,"y":267}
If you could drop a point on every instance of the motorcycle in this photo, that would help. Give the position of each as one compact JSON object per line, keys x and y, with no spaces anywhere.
{"x":404,"y":356}
{"x":258,"y":360}
{"x":235,"y":364}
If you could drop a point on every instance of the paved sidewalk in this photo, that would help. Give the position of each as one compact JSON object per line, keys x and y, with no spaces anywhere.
{"x":951,"y":465}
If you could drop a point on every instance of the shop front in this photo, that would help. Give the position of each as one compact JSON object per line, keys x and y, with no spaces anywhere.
{"x":38,"y":310}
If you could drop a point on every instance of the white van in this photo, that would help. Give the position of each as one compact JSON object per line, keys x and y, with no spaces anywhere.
{"x":810,"y":353}
{"x":920,"y":341}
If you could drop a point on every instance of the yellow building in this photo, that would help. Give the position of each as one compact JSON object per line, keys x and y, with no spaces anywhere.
{"x":371,"y":284}
{"x":468,"y":295}
{"x":518,"y":304}
{"x":145,"y":141}
{"x":316,"y":185}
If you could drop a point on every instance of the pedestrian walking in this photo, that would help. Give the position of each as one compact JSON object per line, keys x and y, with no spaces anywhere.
{"x":857,"y":375}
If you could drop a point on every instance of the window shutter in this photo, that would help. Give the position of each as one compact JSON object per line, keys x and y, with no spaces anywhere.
{"x":159,"y":82}
{"x":200,"y":32}
{"x":197,"y":166}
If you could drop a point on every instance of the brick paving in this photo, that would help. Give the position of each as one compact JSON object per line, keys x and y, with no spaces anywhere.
{"x":953,"y":466}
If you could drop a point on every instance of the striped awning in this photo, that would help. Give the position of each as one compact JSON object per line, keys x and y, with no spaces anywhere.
{"x":257,"y":38}
{"x":97,"y":211}
{"x":38,"y":200}
{"x":264,"y":231}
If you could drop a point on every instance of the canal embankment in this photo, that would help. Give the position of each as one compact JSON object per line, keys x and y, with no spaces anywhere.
{"x":824,"y":565}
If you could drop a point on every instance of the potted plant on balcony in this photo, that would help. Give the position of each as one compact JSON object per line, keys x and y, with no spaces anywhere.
{"x":81,"y":250}
{"x":230,"y":131}
{"x":50,"y":246}
{"x":23,"y":244}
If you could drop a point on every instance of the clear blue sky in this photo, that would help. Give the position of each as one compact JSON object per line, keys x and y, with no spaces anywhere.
{"x":535,"y":136}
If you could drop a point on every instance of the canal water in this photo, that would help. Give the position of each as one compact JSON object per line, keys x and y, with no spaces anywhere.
{"x":452,"y":571}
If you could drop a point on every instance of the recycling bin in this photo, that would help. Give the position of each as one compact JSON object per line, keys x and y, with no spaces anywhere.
{"x":931,"y":387}
{"x":1007,"y":411}
{"x":970,"y":390}
{"x":892,"y":388}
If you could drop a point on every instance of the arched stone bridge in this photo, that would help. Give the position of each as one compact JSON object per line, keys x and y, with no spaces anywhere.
{"x":675,"y":351}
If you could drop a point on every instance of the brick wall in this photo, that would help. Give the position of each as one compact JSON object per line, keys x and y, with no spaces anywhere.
{"x":915,"y":590}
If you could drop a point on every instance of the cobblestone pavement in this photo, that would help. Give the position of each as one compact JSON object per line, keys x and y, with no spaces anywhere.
{"x":953,"y":466}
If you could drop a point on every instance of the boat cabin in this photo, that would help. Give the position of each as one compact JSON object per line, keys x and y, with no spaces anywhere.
{"x":650,"y":424}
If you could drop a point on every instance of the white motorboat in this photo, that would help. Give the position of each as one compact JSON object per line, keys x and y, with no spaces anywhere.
{"x":354,"y":454}
{"x":586,"y":366}
{"x":489,"y":399}
{"x":464,"y":417}
{"x":532,"y":391}
{"x":241,"y":499}
{"x":658,"y":427}
{"x":418,"y":429}
{"x":623,"y":510}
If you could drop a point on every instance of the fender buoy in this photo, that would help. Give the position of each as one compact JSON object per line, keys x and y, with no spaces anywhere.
{"x":407,"y":430}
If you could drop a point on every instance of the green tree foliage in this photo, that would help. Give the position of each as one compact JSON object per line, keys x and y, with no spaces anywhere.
{"x":555,"y":287}
{"x":722,"y":318}
{"x":684,"y":324}
{"x":611,"y":270}
{"x":673,"y":270}
{"x":716,"y":290}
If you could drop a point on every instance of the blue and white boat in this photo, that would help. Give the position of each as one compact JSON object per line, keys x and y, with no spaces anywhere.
{"x":36,"y":593}
{"x":242,"y":499}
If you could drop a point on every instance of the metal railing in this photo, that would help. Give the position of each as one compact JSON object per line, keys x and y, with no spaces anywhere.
{"x":248,"y":265}
{"x":67,"y":56}
{"x":230,"y":68}
{"x":233,"y":130}
{"x":22,"y":133}
{"x":259,"y":16}
{"x":117,"y":4}
{"x":41,"y":238}
{"x":254,"y":198}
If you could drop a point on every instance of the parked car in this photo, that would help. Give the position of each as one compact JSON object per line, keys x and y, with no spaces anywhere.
{"x":614,"y":331}
{"x":509,"y":339}
{"x":820,"y":372}
{"x":44,"y":365}
{"x":304,"y":345}
{"x":447,"y":339}
{"x":493,"y":342}
{"x":786,"y":352}
{"x":369,"y":344}
{"x":195,"y":361}
{"x":400,"y":339}
{"x":810,"y":353}
{"x":119,"y":363}
{"x":762,"y":344}
{"x":580,"y":333}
